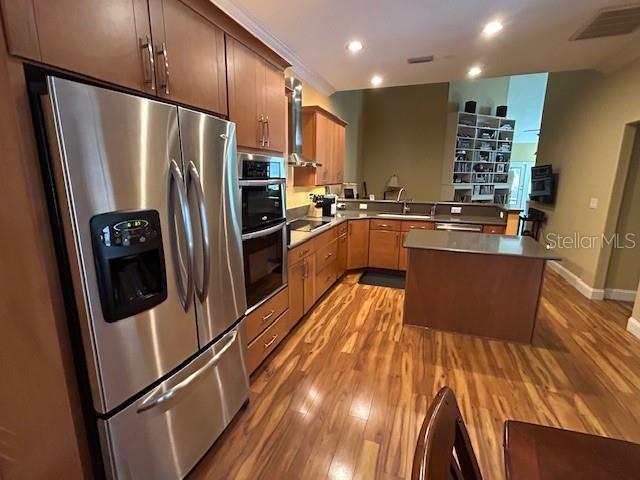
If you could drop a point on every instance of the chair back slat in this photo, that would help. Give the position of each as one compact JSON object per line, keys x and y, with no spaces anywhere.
{"x":444,"y":449}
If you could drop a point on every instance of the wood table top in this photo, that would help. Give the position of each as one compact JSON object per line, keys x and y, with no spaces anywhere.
{"x":535,"y":452}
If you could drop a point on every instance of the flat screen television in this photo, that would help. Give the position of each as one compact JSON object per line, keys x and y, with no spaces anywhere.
{"x":543,"y":184}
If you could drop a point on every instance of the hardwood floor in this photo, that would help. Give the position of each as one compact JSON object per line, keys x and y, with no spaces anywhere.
{"x":346,"y":393}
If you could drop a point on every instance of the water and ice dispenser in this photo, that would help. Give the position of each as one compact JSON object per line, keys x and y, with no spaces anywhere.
{"x":129,"y":258}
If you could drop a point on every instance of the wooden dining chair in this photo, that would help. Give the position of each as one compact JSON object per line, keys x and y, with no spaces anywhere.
{"x":444,"y":450}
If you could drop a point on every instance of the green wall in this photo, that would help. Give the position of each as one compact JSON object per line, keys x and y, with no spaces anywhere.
{"x":395,"y":130}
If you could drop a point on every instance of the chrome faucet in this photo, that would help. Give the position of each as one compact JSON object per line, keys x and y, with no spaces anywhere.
{"x":405,"y":208}
{"x":400,"y":192}
{"x":433,"y":210}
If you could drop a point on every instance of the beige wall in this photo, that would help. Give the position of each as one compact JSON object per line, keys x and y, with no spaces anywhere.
{"x":488,"y":92}
{"x":402,"y":132}
{"x":583,"y":127}
{"x":624,"y":265}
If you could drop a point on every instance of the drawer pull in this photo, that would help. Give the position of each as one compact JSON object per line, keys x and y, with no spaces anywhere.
{"x":384,"y":225}
{"x":329,"y":255}
{"x":270,"y":342}
{"x":268,"y":316}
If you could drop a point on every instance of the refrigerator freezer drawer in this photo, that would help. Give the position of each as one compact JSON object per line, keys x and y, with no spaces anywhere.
{"x":166,"y":432}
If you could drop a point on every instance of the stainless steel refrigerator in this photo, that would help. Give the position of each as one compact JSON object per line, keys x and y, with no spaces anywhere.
{"x":149,"y":202}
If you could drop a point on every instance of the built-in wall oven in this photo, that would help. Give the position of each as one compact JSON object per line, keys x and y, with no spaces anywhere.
{"x":264,"y":230}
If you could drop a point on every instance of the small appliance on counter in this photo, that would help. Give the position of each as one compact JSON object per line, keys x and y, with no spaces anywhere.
{"x":325,"y":205}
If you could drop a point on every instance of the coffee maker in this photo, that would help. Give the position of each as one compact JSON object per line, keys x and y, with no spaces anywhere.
{"x":328,"y":203}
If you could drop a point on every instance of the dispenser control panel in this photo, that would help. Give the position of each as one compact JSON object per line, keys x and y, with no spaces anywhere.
{"x":132,"y":231}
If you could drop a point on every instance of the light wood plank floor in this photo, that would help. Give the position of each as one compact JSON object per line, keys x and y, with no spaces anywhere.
{"x":345,"y":395}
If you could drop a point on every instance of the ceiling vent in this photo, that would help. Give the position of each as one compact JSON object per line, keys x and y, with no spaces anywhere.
{"x":425,"y":59}
{"x":610,"y":22}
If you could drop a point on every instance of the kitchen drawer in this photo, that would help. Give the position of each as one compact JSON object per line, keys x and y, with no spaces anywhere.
{"x":342,"y":228}
{"x":383,"y":224}
{"x":497,"y":229}
{"x":325,"y":237}
{"x":408,"y":226}
{"x":266,"y":313}
{"x":326,"y":254}
{"x":267,"y":342}
{"x":326,"y":278}
{"x":301,"y":251}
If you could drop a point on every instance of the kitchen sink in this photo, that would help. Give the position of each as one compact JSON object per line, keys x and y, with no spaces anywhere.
{"x":402,"y":216}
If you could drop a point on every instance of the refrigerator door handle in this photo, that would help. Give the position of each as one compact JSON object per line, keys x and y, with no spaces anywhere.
{"x":193,"y":177}
{"x":185,"y":291}
{"x":153,"y":401}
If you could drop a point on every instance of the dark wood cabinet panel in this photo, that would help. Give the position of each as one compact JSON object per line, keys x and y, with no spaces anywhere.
{"x":275,"y":108}
{"x":343,"y":250}
{"x":189,"y":55}
{"x":358,"y":244}
{"x":242,"y":77}
{"x":96,"y":38}
{"x":496,"y":229}
{"x":296,"y":291}
{"x":384,"y":249}
{"x":256,"y":99}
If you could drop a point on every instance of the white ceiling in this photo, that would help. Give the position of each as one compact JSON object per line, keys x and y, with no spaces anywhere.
{"x":312,"y":35}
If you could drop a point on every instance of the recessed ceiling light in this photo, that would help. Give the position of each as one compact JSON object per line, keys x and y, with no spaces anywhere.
{"x":355,"y":46}
{"x":474,"y":71}
{"x":491,"y":28}
{"x":376,"y":80}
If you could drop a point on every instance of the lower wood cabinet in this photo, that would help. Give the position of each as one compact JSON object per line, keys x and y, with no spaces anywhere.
{"x":263,"y":316}
{"x":496,"y":229}
{"x":343,"y":250}
{"x":407,"y":226}
{"x":384,"y":249}
{"x":267,"y":341}
{"x":302,"y":276}
{"x":358,"y":244}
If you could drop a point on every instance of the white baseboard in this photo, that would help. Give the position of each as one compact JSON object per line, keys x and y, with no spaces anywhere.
{"x":620,"y":295}
{"x":633,"y":327}
{"x":576,"y":282}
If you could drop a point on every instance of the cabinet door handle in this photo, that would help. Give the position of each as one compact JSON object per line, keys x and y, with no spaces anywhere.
{"x":261,"y":129}
{"x":305,"y":272}
{"x":329,"y":255}
{"x":162,"y":51}
{"x":270,"y":342}
{"x":267,"y":131}
{"x":145,"y":45}
{"x":267,"y":316}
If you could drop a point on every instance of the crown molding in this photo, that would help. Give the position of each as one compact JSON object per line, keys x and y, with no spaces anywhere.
{"x":300,"y":69}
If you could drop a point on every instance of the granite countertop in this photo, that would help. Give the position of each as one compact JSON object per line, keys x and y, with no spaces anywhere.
{"x":483,"y":243}
{"x":297,"y":238}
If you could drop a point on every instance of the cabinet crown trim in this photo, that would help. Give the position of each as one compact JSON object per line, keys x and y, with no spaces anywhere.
{"x":326,"y":113}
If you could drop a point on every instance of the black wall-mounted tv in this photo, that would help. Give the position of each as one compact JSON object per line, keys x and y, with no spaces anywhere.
{"x":543,"y":184}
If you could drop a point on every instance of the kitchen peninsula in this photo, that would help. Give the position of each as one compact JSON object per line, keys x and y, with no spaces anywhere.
{"x":474,"y":283}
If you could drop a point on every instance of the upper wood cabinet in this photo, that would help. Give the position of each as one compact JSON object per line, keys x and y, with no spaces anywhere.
{"x":189,"y":56}
{"x":324,"y":142}
{"x":104,"y":40}
{"x":174,"y":49}
{"x":256,"y":99}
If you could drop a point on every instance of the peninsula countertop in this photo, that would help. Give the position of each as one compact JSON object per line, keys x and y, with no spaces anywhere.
{"x":482,"y":243}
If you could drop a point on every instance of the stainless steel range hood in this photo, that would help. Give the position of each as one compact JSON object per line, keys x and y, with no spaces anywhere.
{"x":295,"y":125}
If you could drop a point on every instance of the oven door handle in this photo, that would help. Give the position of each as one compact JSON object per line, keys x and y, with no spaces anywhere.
{"x":259,"y":183}
{"x":265,"y":232}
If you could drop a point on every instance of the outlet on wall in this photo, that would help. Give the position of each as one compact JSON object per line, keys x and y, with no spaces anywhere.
{"x":363,"y":206}
{"x":593,"y":203}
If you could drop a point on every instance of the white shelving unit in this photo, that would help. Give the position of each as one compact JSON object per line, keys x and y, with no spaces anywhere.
{"x":477,"y":157}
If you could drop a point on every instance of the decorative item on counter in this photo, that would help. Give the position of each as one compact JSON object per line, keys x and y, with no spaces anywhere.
{"x":470,"y":106}
{"x":501,"y":111}
{"x":500,"y":168}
